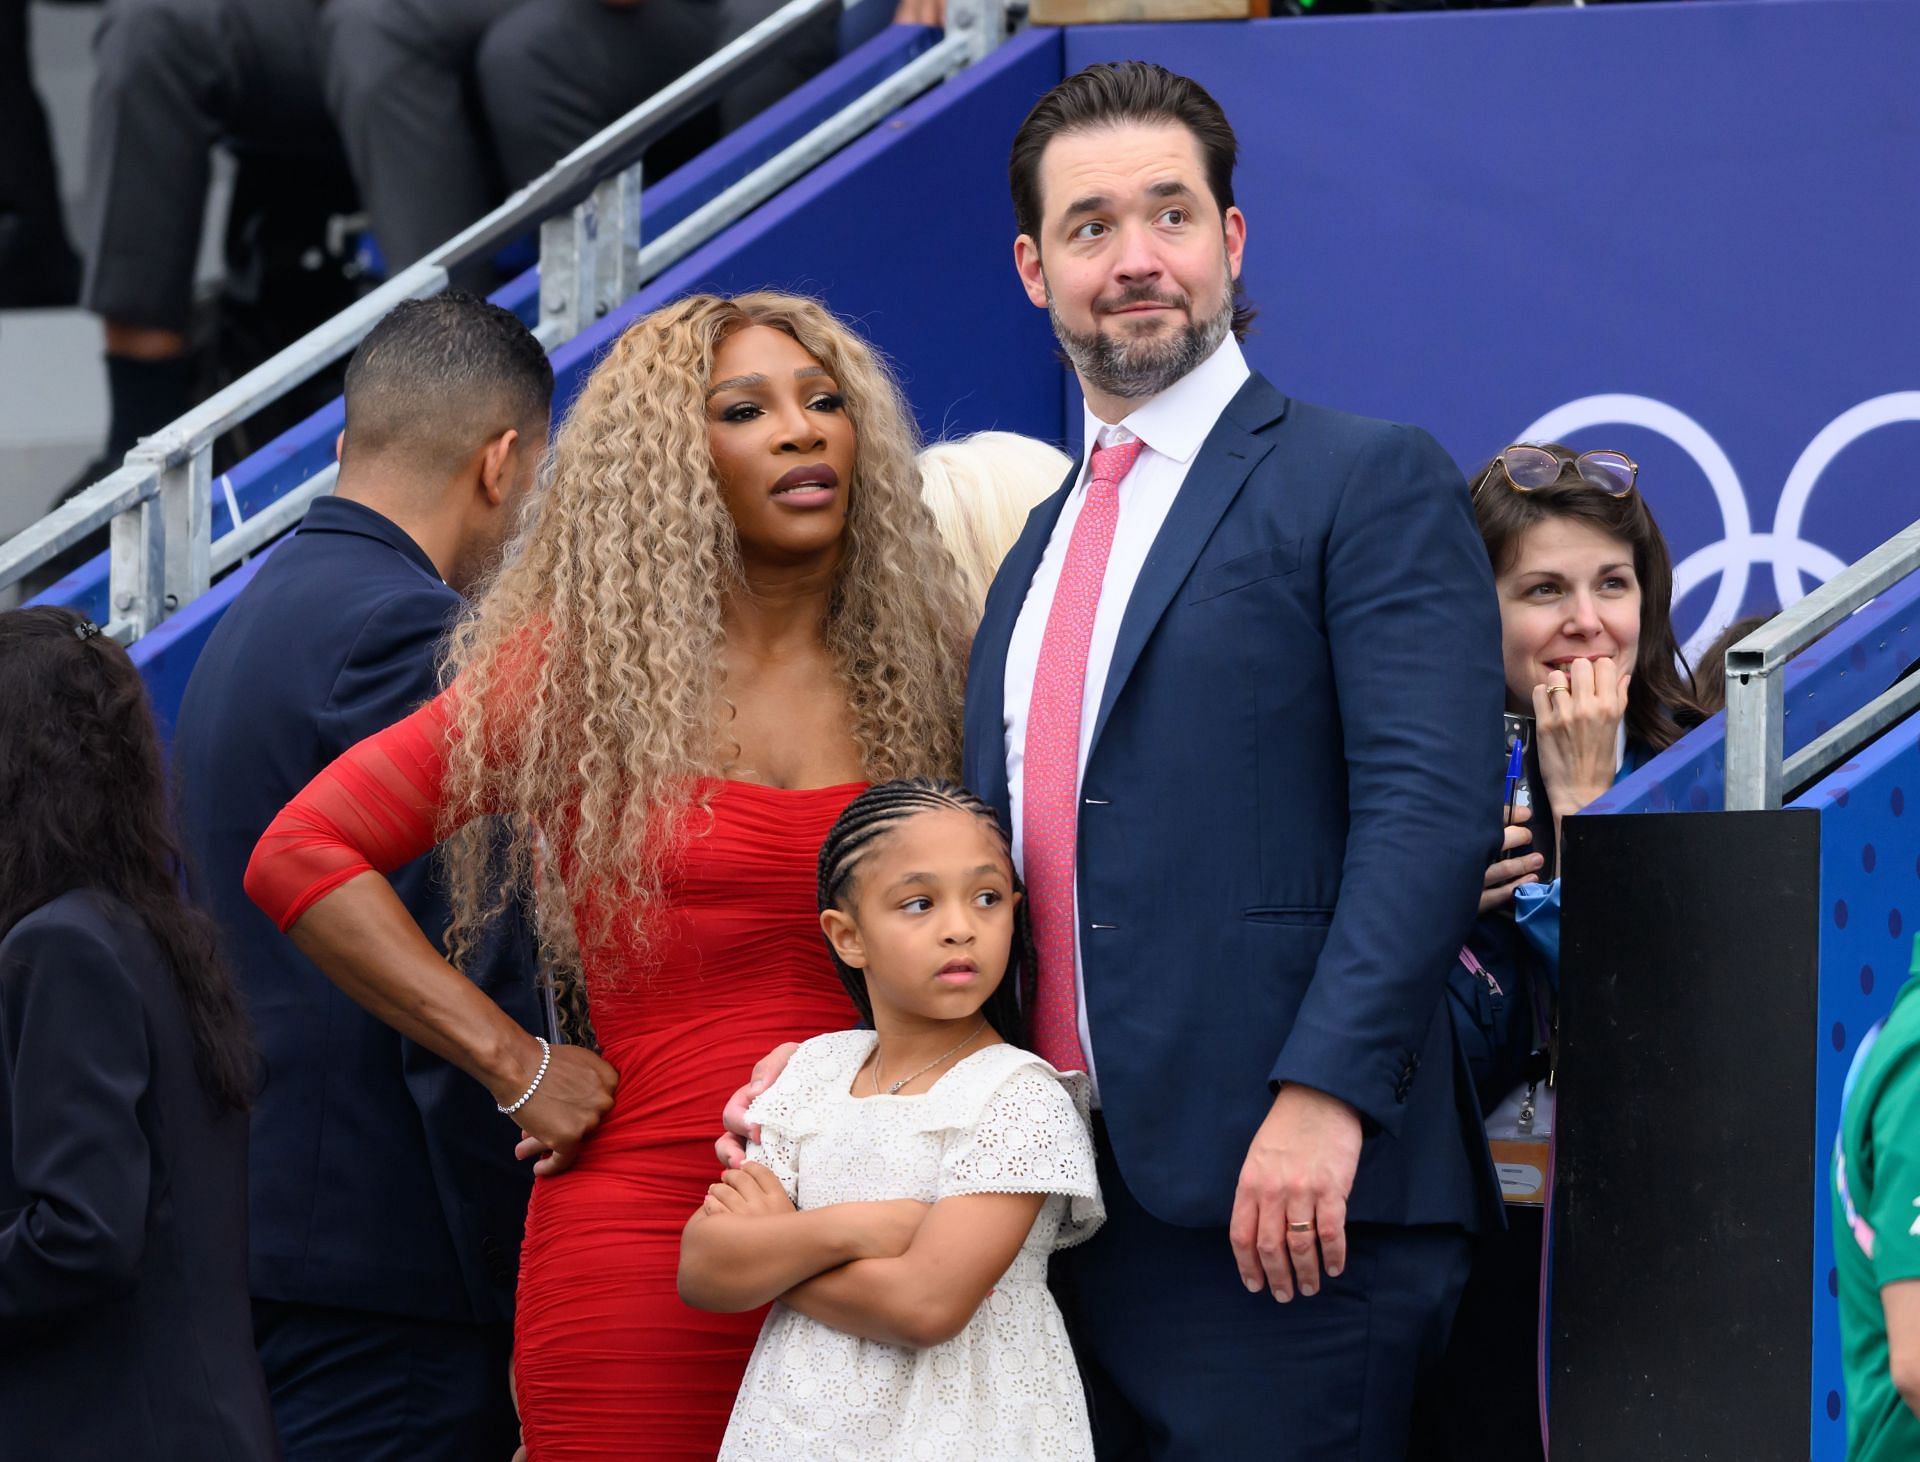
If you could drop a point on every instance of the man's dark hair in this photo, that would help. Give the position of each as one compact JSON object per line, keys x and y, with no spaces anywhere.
{"x":1109,"y":94}
{"x":438,"y":377}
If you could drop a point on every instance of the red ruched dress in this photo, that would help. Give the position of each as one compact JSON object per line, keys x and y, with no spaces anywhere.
{"x":609,"y":1363}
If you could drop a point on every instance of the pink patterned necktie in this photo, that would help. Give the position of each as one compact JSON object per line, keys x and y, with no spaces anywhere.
{"x":1050,"y":776}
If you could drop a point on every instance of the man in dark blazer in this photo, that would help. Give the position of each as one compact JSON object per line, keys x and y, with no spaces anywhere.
{"x":1237,"y":690}
{"x":386,"y":1205}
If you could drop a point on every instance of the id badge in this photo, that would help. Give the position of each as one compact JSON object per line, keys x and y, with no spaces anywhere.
{"x":1518,"y":1131}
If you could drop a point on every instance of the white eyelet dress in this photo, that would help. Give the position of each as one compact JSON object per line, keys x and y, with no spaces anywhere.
{"x":1006,"y":1388}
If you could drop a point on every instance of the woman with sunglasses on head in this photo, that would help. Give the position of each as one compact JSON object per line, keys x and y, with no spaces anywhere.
{"x":1585,"y":585}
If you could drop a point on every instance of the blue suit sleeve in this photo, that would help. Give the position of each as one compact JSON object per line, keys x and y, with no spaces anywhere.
{"x":1414,"y":634}
{"x":1536,"y":909}
{"x":73,"y":1040}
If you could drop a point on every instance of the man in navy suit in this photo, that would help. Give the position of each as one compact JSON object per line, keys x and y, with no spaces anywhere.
{"x":1237,"y":690}
{"x":386,"y":1206}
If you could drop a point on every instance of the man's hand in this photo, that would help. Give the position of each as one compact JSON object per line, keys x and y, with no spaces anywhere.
{"x":1517,"y":864}
{"x":1298,"y":1171}
{"x":573,"y":1096}
{"x":730,"y":1147}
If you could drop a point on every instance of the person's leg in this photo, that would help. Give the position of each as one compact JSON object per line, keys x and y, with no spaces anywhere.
{"x":159,"y":90}
{"x":38,"y":268}
{"x":1486,"y":1400}
{"x":174,"y":77}
{"x":399,"y":83}
{"x":349,"y":1386}
{"x":554,"y":72}
{"x":805,"y":54}
{"x":1204,"y":1370}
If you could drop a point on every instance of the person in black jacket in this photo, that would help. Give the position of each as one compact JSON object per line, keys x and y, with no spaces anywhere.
{"x":125,"y":1073}
{"x":387,"y":1205}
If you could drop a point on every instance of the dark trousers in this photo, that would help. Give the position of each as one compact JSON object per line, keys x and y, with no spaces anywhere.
{"x":1181,"y":1362}
{"x":351,"y":1386}
{"x":446,"y":104}
{"x":175,"y":77}
{"x":36,"y":261}
{"x":1489,"y":1395}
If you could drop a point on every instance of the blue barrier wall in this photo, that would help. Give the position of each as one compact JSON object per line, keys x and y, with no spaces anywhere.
{"x":1869,"y":913}
{"x":1471,"y":221}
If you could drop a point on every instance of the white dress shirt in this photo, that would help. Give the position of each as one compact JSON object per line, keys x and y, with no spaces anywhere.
{"x":1172,"y":427}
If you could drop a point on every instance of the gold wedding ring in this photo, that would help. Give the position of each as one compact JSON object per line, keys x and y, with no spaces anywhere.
{"x":1552,"y":688}
{"x":1299,"y":1228}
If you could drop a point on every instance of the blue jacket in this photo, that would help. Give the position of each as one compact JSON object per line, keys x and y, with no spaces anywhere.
{"x":124,"y":1327}
{"x":1286,"y":808}
{"x":1519,"y":948}
{"x":382,"y":1177}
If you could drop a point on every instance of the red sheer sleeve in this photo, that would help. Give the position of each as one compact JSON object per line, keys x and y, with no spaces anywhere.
{"x":375,"y":808}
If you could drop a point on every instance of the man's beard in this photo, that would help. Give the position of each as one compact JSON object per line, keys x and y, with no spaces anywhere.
{"x":1133,"y":369}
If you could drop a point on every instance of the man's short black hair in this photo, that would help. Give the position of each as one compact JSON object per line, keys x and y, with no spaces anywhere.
{"x":1110,"y":94}
{"x":439,"y":377}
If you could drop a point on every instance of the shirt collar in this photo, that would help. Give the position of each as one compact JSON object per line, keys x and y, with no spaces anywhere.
{"x":1177,"y":421}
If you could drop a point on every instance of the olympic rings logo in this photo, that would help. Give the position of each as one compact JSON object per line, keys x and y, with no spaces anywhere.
{"x":1735,"y":555}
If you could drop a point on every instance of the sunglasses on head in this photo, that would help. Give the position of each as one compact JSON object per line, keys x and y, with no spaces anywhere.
{"x":1528,"y":469}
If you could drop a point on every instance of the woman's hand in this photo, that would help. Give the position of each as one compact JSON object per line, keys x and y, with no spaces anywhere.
{"x":748,"y":1191}
{"x":1517,"y":865}
{"x":1577,"y":716}
{"x":731,"y":1149}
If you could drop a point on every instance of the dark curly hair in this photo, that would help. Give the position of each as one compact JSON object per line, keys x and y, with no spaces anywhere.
{"x":870,"y":817}
{"x":86,"y":800}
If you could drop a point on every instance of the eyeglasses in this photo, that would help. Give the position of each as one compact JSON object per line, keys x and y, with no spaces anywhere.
{"x":1528,"y":469}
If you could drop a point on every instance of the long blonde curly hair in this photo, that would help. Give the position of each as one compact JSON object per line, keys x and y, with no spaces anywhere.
{"x":587,"y":702}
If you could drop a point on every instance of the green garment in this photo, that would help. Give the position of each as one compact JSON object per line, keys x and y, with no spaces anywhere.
{"x":1876,"y":1223}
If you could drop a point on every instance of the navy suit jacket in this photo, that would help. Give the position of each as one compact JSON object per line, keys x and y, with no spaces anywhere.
{"x":1290,"y":800}
{"x":124,"y":1327}
{"x":382,"y":1177}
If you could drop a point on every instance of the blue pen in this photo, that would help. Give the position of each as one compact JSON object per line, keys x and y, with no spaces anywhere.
{"x":1515,"y":762}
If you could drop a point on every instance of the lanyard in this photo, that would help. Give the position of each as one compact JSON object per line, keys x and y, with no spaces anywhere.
{"x":1478,"y":970}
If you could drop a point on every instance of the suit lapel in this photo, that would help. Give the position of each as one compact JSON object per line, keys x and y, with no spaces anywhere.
{"x":987,"y":670}
{"x":1221,"y":468}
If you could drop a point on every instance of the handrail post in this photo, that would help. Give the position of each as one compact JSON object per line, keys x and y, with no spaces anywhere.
{"x":186,"y":501}
{"x":1756,"y":719}
{"x":981,"y":24}
{"x":590,"y":257}
{"x":137,"y":568}
{"x":168,"y":556}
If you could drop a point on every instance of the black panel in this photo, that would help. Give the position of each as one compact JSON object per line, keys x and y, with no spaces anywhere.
{"x":1687,"y":1161}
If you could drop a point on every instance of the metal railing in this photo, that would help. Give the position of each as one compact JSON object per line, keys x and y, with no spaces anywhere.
{"x":1759,"y":775}
{"x":587,"y":206}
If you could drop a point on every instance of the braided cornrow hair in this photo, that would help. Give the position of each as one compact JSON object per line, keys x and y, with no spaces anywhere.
{"x":871,"y":816}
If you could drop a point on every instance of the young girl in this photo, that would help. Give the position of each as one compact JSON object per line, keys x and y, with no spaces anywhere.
{"x":909,"y":1180}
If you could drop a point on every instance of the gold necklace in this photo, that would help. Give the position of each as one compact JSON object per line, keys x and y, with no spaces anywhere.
{"x":894,"y":1090}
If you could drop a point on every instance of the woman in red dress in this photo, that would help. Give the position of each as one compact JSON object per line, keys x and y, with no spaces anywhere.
{"x":728,"y":612}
